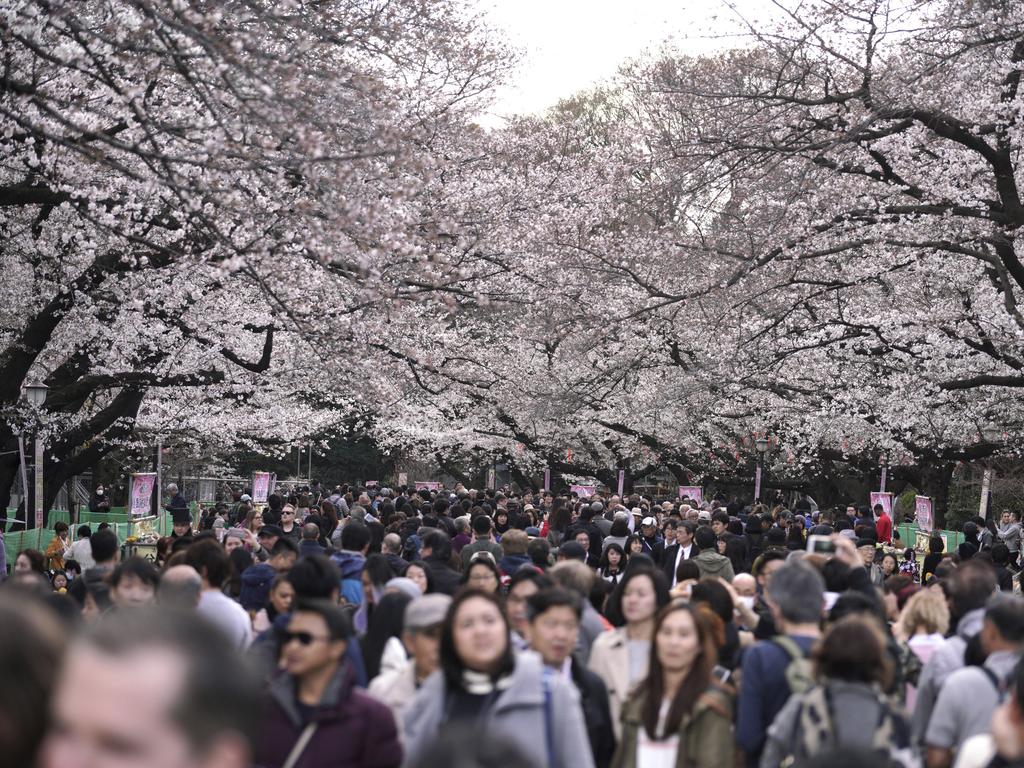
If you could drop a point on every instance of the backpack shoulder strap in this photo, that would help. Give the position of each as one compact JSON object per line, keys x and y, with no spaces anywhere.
{"x":788,"y":644}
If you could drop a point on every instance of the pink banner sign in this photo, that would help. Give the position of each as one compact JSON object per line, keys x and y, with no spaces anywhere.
{"x":622,"y":481}
{"x":141,"y":495}
{"x":692,"y":492}
{"x":424,"y":486}
{"x":885,"y":499}
{"x":371,"y":483}
{"x":924,"y":513}
{"x":583,"y":491}
{"x":260,"y":487}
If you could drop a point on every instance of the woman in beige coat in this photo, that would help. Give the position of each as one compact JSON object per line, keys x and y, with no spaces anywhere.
{"x":620,"y":658}
{"x":680,"y":715}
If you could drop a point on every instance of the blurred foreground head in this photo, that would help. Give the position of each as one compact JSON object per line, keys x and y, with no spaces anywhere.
{"x":160,"y":689}
{"x":31,"y":643}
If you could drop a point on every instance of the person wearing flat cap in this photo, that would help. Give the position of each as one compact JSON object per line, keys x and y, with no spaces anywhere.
{"x":421,"y":635}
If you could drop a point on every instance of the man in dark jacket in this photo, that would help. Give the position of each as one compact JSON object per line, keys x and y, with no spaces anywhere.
{"x":554,"y":615}
{"x":436,"y":553}
{"x":316,"y":697}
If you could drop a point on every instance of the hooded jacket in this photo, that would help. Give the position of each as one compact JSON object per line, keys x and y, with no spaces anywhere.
{"x":713,"y":564}
{"x":351,"y":566}
{"x":353,"y":729}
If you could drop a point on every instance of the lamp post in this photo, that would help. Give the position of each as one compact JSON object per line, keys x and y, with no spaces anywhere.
{"x":761,"y":445}
{"x":36,"y":396}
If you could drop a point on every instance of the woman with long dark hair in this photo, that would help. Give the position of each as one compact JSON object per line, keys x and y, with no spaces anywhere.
{"x":680,"y":714}
{"x":385,"y":623}
{"x":484,"y":686}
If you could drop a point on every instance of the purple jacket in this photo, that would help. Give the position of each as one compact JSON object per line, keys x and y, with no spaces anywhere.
{"x":354,"y":731}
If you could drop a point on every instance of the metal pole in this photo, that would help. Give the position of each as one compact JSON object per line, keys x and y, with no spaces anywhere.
{"x":24,"y":476}
{"x":39,"y":479}
{"x":159,"y":474}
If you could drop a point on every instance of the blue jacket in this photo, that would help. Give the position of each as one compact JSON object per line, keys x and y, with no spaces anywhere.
{"x":351,"y":565}
{"x":763,"y":693}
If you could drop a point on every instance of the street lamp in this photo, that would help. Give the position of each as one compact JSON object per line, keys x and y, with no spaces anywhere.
{"x":36,"y":396}
{"x":761,"y":446}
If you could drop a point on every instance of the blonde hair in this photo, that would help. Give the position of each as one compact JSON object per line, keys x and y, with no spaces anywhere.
{"x":926,"y":610}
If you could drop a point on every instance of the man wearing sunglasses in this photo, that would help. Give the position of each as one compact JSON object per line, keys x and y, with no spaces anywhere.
{"x":317,"y":715}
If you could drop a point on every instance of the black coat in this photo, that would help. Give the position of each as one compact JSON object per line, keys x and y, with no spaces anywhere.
{"x":446,"y":580}
{"x":668,"y":562}
{"x":596,"y":713}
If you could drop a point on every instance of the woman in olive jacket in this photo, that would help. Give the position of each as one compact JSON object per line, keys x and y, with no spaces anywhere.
{"x":680,"y":715}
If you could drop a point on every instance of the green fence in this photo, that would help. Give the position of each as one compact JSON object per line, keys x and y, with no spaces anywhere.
{"x":908,"y":537}
{"x":40,"y":538}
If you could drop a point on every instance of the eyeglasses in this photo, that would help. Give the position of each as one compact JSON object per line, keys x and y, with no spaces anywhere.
{"x":304,"y":638}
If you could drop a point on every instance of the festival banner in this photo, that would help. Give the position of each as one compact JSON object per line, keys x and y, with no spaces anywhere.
{"x":924,"y":513}
{"x":885,"y":499}
{"x":693,"y":492}
{"x":403,"y":478}
{"x":547,"y":479}
{"x":491,"y":480}
{"x":371,"y":484}
{"x":260,"y":487}
{"x":425,"y":486}
{"x":140,"y":494}
{"x":757,"y":484}
{"x":885,"y":476}
{"x":583,"y":491}
{"x":622,"y":481}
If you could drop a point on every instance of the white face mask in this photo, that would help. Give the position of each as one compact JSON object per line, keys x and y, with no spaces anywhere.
{"x":747,"y":600}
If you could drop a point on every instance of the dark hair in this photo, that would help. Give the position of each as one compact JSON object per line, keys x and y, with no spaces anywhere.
{"x":31,"y":647}
{"x":385,"y":623}
{"x":705,"y":538}
{"x":378,"y":568}
{"x":339,"y":625}
{"x":539,"y":603}
{"x":35,"y":559}
{"x":485,"y":561}
{"x":451,"y":664}
{"x":60,"y":527}
{"x":1006,"y":613}
{"x":1000,"y":553}
{"x":218,"y":692}
{"x":539,"y":551}
{"x":355,"y":536}
{"x":613,"y":547}
{"x":687,"y":570}
{"x":315,"y":576}
{"x":529,"y":574}
{"x":696,"y":682}
{"x":145,"y":571}
{"x":425,"y":567}
{"x":853,"y":649}
{"x":439,"y":544}
{"x":711,"y":592}
{"x":284,"y":546}
{"x":936,"y":545}
{"x":104,"y":545}
{"x":84,"y":532}
{"x":210,"y":560}
{"x":971,"y":585}
{"x":613,"y":612}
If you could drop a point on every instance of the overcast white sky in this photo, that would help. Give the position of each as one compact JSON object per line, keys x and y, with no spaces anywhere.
{"x":569,"y":45}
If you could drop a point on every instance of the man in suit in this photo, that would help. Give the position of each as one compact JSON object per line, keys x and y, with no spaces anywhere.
{"x":682,"y":549}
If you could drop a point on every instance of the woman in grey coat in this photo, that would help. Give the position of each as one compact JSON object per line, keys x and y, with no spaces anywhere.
{"x":483,"y":685}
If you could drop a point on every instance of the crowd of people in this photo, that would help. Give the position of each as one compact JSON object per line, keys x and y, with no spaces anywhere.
{"x":360,"y":627}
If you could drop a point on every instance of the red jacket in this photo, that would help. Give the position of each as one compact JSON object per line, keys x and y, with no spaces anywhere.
{"x":354,"y":730}
{"x":883,"y":527}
